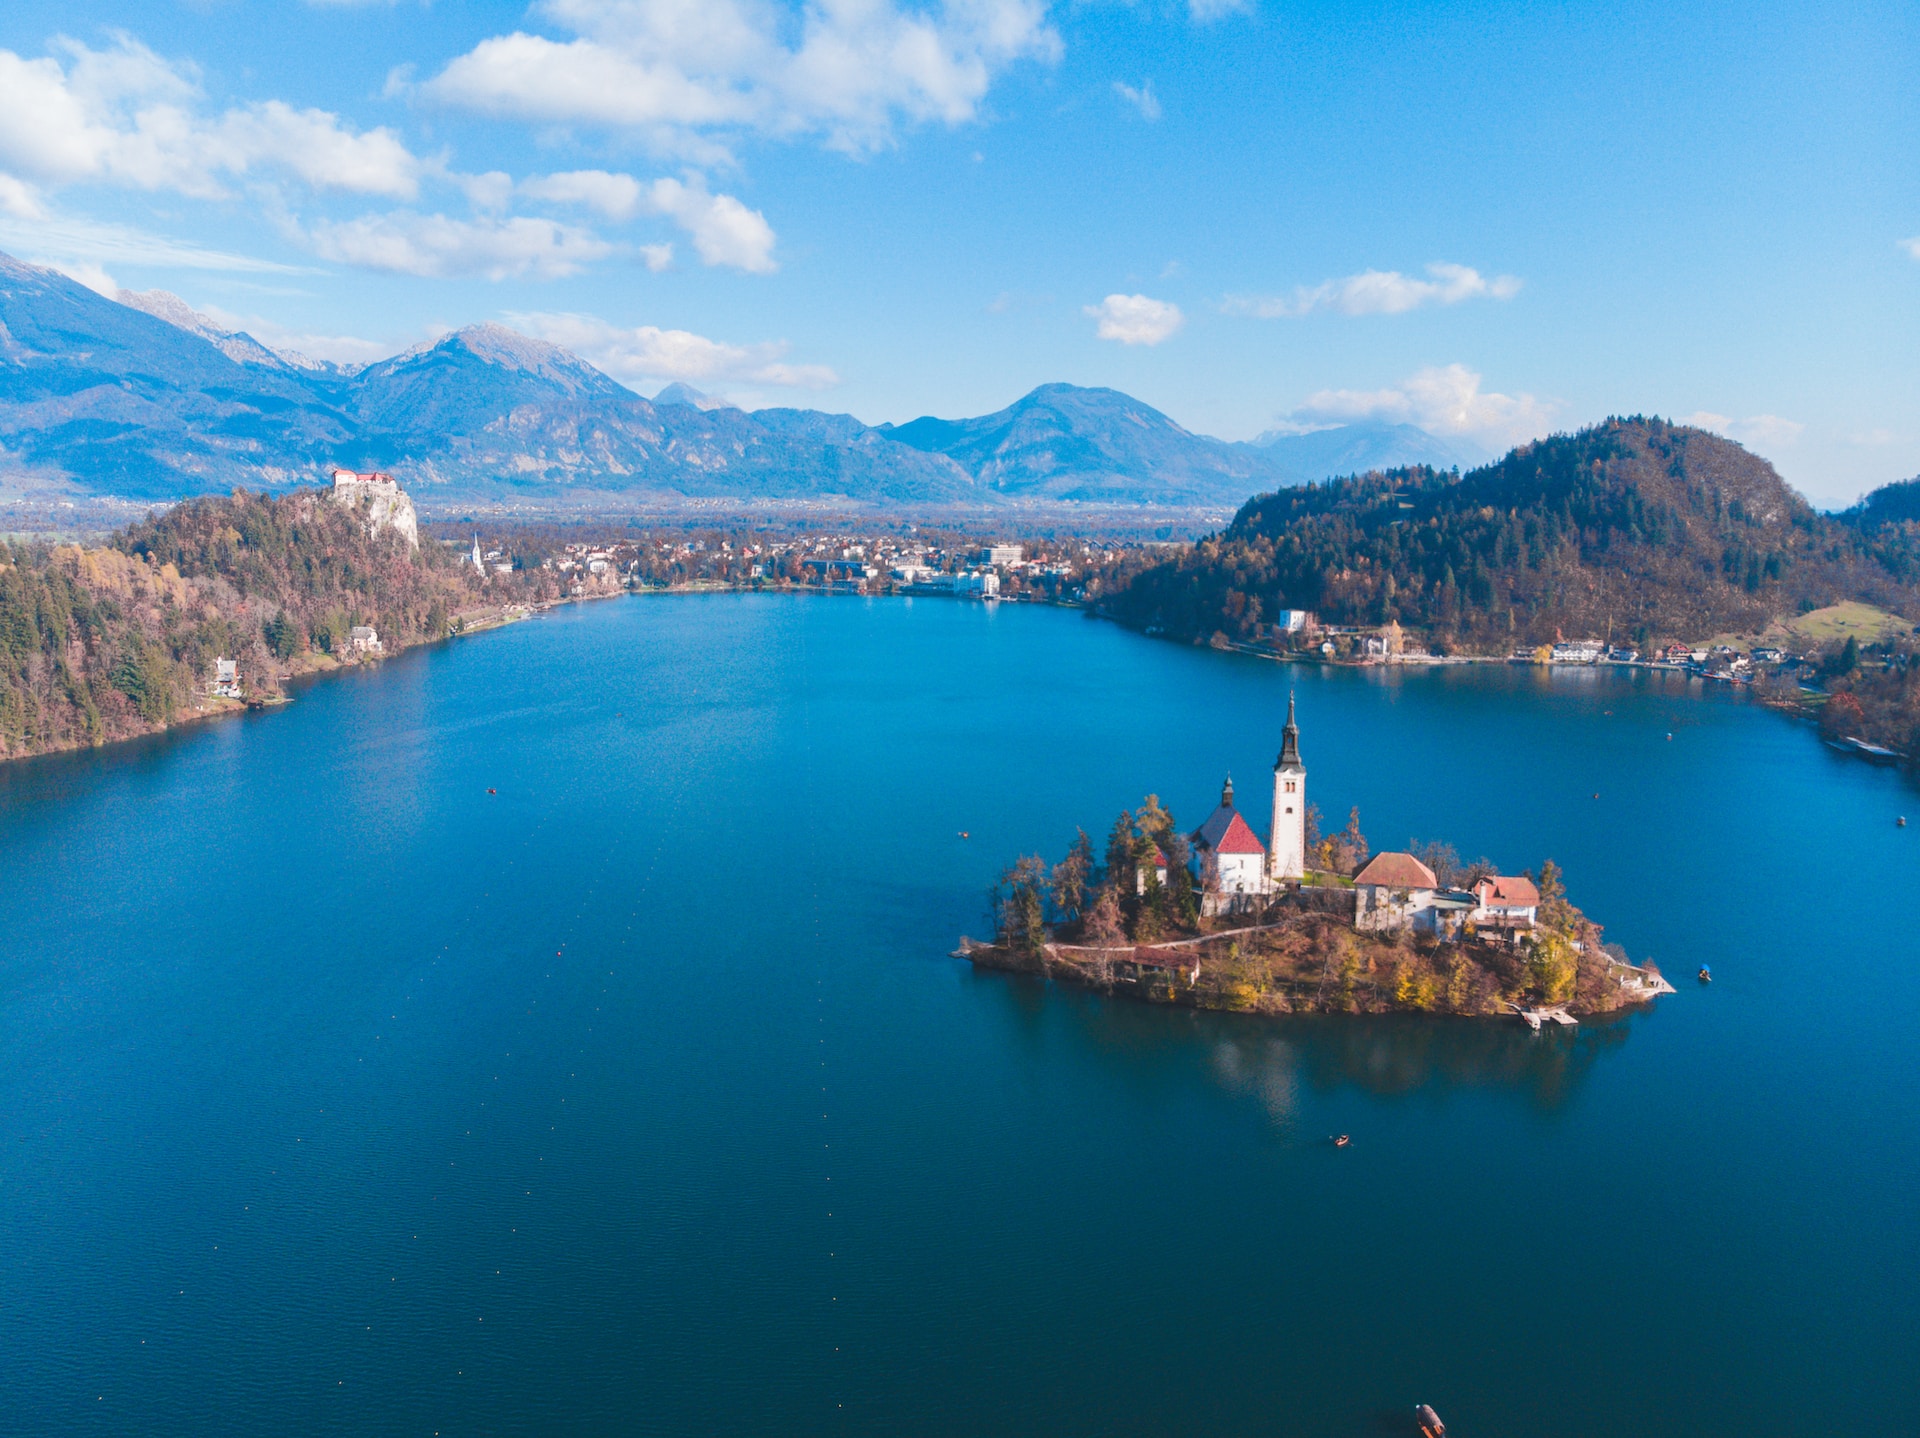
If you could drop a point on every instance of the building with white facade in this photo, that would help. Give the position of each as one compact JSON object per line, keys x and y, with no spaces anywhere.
{"x":1394,"y":891}
{"x":1230,"y":860}
{"x":1287,"y":850}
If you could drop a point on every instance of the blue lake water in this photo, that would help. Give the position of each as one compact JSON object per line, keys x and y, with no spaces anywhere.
{"x":338,"y":1095}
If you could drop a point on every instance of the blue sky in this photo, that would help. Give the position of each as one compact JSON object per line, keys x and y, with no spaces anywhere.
{"x":1490,"y":220}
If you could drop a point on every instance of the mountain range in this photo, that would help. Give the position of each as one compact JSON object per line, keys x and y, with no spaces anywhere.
{"x":142,"y":397}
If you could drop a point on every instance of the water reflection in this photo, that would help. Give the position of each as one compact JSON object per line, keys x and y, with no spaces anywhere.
{"x":1275,"y":1060}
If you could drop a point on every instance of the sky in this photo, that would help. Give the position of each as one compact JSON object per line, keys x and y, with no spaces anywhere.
{"x":1494,"y":221}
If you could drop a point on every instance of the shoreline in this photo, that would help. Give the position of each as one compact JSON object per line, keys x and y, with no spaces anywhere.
{"x":480,"y":621}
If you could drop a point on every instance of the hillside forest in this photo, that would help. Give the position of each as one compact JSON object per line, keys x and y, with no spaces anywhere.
{"x":1633,"y":531}
{"x":104,"y":643}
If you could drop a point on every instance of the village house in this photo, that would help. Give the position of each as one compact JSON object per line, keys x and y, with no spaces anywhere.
{"x":1394,"y":891}
{"x":362,"y":639}
{"x":1505,"y":907}
{"x":226,"y":679}
{"x":1156,"y":866}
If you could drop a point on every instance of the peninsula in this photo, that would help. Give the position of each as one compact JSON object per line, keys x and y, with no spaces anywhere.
{"x":1305,"y":922}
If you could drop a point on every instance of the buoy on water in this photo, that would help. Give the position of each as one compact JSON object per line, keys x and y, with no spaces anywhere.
{"x":1901,"y":822}
{"x":493,"y":791}
{"x":963,"y":833}
{"x":1669,"y":738}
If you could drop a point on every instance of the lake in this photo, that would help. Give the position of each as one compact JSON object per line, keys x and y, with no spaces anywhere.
{"x":553,"y":1032}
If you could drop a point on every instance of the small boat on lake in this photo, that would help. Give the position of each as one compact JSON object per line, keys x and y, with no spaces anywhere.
{"x":1341,"y":1140}
{"x":1429,"y":1422}
{"x":1705,"y":975}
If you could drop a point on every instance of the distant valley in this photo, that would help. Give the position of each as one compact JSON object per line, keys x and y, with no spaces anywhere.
{"x":143,"y":398}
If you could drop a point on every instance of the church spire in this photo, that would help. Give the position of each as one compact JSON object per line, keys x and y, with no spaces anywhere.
{"x":1289,"y":741}
{"x":1226,"y":793}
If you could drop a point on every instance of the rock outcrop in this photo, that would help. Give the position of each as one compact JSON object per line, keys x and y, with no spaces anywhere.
{"x":380,"y":499}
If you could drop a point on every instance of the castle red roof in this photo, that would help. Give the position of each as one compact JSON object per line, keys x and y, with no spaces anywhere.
{"x":1397,"y":871}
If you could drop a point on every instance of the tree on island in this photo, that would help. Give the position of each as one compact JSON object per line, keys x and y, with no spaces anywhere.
{"x":1019,"y":905}
{"x":1071,"y":877}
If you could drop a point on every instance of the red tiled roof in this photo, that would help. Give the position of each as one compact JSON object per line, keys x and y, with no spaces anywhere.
{"x":1225,"y":832}
{"x":1508,"y":893}
{"x":1397,"y":871}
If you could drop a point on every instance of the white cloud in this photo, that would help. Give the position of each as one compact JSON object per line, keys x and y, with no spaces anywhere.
{"x":1143,"y":99}
{"x":1203,"y":11}
{"x":125,"y":116}
{"x":434,"y":246}
{"x":64,"y":242}
{"x":656,"y":257}
{"x":672,"y":70}
{"x":650,"y":353}
{"x":19,"y":199}
{"x":90,"y":275}
{"x":1758,"y":431}
{"x":1912,"y":246}
{"x":1135,"y":319}
{"x":1378,"y":292}
{"x":346,"y":349}
{"x":618,"y":197}
{"x":1442,"y":400}
{"x":724,"y":231}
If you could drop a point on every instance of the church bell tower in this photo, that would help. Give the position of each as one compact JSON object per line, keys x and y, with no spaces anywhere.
{"x":1287,"y":854}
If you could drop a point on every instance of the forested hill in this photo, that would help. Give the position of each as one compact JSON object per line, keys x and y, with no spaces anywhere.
{"x":1635,"y":530}
{"x":101,"y":644}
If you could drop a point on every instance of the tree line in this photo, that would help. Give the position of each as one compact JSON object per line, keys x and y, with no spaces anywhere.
{"x":1634,"y":530}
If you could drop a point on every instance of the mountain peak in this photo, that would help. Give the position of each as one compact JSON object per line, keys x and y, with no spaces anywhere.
{"x":506,"y":349}
{"x":236,"y":345}
{"x":678,"y":393}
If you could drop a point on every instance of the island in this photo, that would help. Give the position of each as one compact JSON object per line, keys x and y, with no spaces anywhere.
{"x":1304,"y":923}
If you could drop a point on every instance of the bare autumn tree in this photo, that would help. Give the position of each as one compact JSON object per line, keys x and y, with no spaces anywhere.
{"x":1443,"y":859}
{"x":1104,"y":926}
{"x":1350,"y":845}
{"x":1019,"y":905}
{"x":1072,"y":875}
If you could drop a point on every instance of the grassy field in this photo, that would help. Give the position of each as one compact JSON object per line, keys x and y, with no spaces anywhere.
{"x":1839,"y":622}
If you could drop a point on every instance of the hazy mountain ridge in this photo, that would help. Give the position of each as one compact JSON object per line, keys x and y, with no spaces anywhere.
{"x":1363,"y":446}
{"x":1063,"y":442}
{"x":146,"y":398}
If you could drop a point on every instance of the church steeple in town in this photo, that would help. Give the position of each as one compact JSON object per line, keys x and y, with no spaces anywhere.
{"x":1289,"y":741}
{"x":1287,"y":854}
{"x":1226,"y":793}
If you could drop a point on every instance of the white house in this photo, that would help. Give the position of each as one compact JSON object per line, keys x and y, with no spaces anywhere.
{"x":362,"y":639}
{"x":1394,"y":891}
{"x":1505,"y":905}
{"x":226,"y":678}
{"x":1229,"y":860}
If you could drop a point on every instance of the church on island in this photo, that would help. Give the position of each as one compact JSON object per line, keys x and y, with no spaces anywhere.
{"x":1237,"y":874}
